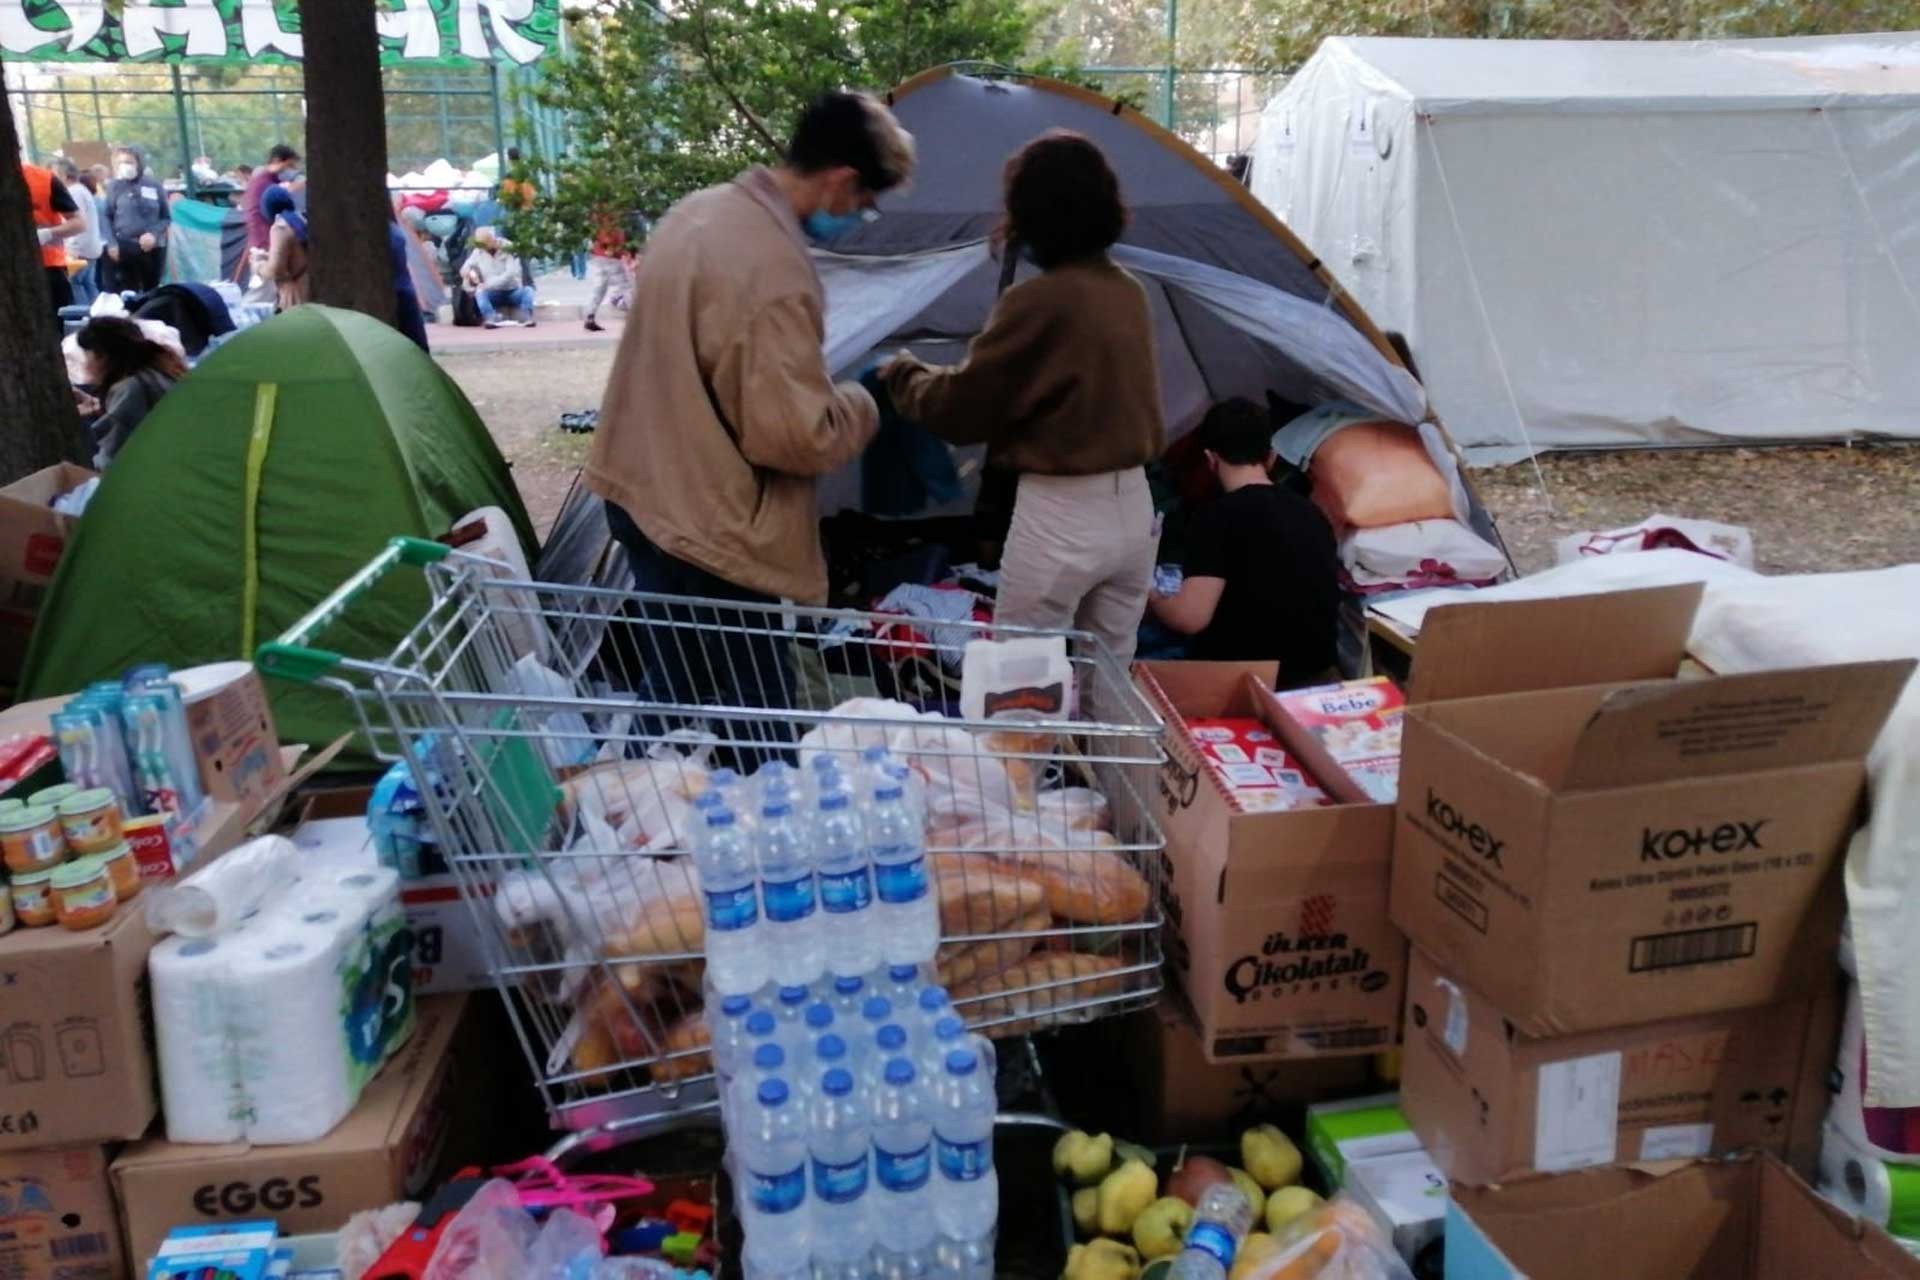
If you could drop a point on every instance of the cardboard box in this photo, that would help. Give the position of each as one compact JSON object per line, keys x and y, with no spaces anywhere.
{"x":1489,"y":1101}
{"x":1352,"y":1129}
{"x":389,"y":1149}
{"x":1276,"y":922}
{"x":233,"y":736}
{"x":1745,"y":1219}
{"x":1189,"y":1099}
{"x":56,"y":1216}
{"x":1612,"y":853}
{"x":32,"y":538}
{"x":1407,"y":1195}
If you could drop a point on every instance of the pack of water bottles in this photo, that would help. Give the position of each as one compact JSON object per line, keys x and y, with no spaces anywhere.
{"x":858,"y":1108}
{"x":859,"y":1118}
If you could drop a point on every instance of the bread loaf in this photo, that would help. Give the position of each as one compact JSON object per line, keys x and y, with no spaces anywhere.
{"x":960,"y":962}
{"x":1061,"y":978}
{"x":691,"y":1032}
{"x":673,"y":925}
{"x":981,"y":895}
{"x":1089,"y":886}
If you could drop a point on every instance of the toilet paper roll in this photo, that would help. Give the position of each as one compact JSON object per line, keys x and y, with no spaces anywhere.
{"x":268,"y":1032}
{"x":1885,"y":1193}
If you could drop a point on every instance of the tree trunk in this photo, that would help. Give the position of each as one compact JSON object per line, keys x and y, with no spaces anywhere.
{"x":38,"y":423}
{"x":347,"y":203}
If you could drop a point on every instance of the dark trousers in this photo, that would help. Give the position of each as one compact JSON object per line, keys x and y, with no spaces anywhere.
{"x":408,"y":319}
{"x":138,"y":270}
{"x":60,"y":286}
{"x":706,"y":654}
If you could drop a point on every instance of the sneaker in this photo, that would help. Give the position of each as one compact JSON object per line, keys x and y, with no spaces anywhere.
{"x":529,"y":324}
{"x":491,"y":324}
{"x":594,"y":326}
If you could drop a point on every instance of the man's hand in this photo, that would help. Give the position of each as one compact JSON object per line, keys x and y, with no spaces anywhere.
{"x":86,"y":404}
{"x":147,"y":241}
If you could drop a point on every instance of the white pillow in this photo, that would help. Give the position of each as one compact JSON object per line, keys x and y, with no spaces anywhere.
{"x":1420,"y":552}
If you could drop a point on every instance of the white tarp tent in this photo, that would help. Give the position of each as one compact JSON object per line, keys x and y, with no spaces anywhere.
{"x":1239,"y":307}
{"x":1595,"y":244}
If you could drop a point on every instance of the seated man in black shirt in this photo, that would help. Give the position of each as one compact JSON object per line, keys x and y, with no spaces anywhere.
{"x":1261,"y":567}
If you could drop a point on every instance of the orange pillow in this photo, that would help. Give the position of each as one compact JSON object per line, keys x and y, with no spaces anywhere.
{"x":1373,"y":474}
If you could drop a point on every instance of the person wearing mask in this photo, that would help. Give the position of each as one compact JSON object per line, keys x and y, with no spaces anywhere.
{"x":138,"y":218}
{"x":84,"y":249}
{"x":285,"y":266}
{"x":1063,"y":388}
{"x":493,"y":272}
{"x":720,"y":413}
{"x":56,"y":220}
{"x":1262,"y":571}
{"x":407,"y":316}
{"x":282,"y":162}
{"x":129,"y":373}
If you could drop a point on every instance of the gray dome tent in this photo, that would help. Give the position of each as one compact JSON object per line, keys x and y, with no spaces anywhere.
{"x":1240,"y":306}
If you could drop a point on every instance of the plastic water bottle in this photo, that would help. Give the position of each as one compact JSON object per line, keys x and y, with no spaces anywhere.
{"x":788,"y":894}
{"x":790,"y":1010}
{"x":902,"y":1162}
{"x":841,"y":1155}
{"x":1220,"y":1221}
{"x":909,"y":916}
{"x":848,"y":917}
{"x":846,"y":995}
{"x":762,"y":1028}
{"x":818,"y":1022}
{"x":774,"y":1160}
{"x":880,"y":766}
{"x":949,"y":1033}
{"x":890,"y":1042}
{"x":876,"y":1013}
{"x":727,"y":1032}
{"x":931,"y":1005}
{"x":966,"y":1197}
{"x":964,"y":1259}
{"x":830,"y":1051}
{"x":900,"y":983}
{"x":736,"y":957}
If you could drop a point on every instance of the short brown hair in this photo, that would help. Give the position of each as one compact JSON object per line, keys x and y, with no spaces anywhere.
{"x":1063,"y":199}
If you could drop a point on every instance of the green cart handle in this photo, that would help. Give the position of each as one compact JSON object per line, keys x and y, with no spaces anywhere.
{"x":294,"y":655}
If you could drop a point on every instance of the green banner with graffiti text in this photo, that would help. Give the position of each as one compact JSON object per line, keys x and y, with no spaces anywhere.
{"x":412,"y":32}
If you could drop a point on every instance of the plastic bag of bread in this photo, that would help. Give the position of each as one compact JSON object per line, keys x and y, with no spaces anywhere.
{"x":981,"y":896}
{"x":1074,"y":809}
{"x":1038,"y":992}
{"x":893,"y":727}
{"x":1089,"y":886}
{"x":647,"y":803}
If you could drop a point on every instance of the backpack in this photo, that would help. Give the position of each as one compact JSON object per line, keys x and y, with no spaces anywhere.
{"x":466,"y":311}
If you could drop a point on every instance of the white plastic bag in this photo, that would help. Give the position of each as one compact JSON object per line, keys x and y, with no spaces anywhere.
{"x":1339,"y":1240}
{"x":1730,"y":542}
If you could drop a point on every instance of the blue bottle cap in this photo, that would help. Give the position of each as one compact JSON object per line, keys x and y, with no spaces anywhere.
{"x":734,"y":1006}
{"x":760,"y":1023}
{"x":899,"y":1071}
{"x":830,"y":1048}
{"x":892,"y":1037}
{"x":837,"y":1083}
{"x":769,"y":1057}
{"x":961,"y":1062}
{"x":903,"y":972}
{"x":876,"y":1009}
{"x":708,"y":799}
{"x":874,"y":753}
{"x":723,"y":777}
{"x":890,"y":791}
{"x":720,"y":816}
{"x":793,"y":995}
{"x":773,"y":1093}
{"x":847,"y":986}
{"x":932,"y":998}
{"x":819,"y":1015}
{"x":949,"y":1027}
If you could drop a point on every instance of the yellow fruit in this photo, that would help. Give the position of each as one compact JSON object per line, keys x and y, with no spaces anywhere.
{"x":1256,"y":1248}
{"x":1161,"y":1227}
{"x":1083,"y":1157}
{"x":1086,"y":1210}
{"x":1102,"y":1260}
{"x":1123,"y":1194}
{"x":1270,"y":1156}
{"x":1287,"y":1205}
{"x":1250,"y":1189}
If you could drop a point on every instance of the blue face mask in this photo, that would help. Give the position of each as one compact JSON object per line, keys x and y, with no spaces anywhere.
{"x":822,"y":227}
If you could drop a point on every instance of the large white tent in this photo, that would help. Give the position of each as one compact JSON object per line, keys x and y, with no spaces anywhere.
{"x":1600,"y":244}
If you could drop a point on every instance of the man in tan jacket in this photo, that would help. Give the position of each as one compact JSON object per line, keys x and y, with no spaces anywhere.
{"x":721,"y":413}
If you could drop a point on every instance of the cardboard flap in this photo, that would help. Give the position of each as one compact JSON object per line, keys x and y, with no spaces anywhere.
{"x":1767,"y":720}
{"x":1515,"y":646}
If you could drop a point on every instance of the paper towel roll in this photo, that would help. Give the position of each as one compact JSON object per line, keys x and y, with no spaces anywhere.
{"x":223,"y":893}
{"x":268,"y":1032}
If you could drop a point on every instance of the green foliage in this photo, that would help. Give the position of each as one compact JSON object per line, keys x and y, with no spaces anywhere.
{"x":665,"y":101}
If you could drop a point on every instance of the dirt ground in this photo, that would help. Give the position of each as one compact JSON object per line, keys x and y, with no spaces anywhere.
{"x":1810,"y":509}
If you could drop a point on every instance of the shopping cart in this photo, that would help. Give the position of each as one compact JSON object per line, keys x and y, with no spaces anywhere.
{"x":559,"y":736}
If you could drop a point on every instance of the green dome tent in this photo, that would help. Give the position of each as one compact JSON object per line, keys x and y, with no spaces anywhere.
{"x":279,"y":466}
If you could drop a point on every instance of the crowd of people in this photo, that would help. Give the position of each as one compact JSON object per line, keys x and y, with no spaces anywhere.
{"x":721,"y":414}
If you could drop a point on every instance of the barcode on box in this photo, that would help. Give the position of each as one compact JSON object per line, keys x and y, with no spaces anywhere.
{"x":1693,"y":946}
{"x":93,"y":1245}
{"x":1345,"y":1038}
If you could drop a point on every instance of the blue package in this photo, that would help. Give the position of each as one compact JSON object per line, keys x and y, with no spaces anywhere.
{"x":229,"y":1250}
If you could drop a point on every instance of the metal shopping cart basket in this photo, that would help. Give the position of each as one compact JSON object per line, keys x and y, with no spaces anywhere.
{"x":558,"y":737}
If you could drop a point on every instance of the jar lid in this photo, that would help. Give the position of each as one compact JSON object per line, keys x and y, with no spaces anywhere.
{"x":86,"y":801}
{"x":26,"y":818}
{"x":33,"y":877}
{"x":71,"y":875}
{"x":9,"y":804}
{"x":121,"y":850}
{"x":53,"y":795}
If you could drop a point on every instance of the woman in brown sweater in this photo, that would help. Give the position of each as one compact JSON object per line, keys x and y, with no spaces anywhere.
{"x":1062,"y":387}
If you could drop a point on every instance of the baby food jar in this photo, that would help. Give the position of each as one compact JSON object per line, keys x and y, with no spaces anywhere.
{"x":6,"y":910}
{"x":91,"y":821}
{"x":31,"y":839}
{"x":83,"y":894}
{"x":11,"y":805}
{"x":52,"y":796}
{"x":32,"y":896}
{"x":122,"y":870}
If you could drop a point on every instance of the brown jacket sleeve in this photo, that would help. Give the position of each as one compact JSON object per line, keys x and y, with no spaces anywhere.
{"x":1005,"y":363}
{"x":771,"y":384}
